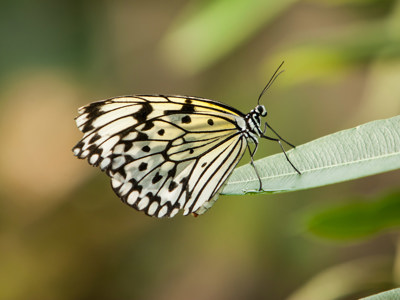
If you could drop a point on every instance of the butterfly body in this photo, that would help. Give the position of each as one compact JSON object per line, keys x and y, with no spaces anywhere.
{"x":166,"y":153}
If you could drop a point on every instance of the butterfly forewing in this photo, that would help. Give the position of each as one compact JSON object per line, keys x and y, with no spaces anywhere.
{"x":162,"y":153}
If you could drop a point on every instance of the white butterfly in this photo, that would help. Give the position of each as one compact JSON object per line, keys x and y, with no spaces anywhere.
{"x":166,"y":153}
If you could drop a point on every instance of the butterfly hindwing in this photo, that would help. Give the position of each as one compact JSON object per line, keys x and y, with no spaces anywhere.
{"x":162,"y":153}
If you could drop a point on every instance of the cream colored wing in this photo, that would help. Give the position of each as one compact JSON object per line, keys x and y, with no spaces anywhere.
{"x":163,"y":153}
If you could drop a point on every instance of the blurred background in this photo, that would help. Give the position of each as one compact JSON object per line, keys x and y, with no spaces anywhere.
{"x":65,"y":235}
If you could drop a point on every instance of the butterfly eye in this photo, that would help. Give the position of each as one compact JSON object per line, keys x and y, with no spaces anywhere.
{"x":261,"y":110}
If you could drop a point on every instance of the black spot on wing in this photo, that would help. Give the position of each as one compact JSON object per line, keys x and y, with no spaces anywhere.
{"x":121,"y":169}
{"x":143,"y":166}
{"x":128,"y":159}
{"x":210,"y":122}
{"x":142,"y":137}
{"x":92,"y":148}
{"x":95,"y":150}
{"x":186,"y":120}
{"x":172,"y":172}
{"x":93,"y":111}
{"x":141,"y":114}
{"x":148,"y":126}
{"x":168,"y":112}
{"x":79,"y":146}
{"x":184,"y":181}
{"x":173,"y":185}
{"x":161,"y":132}
{"x":127,"y":145}
{"x":156,"y":178}
{"x":94,"y":138}
{"x":188,"y":108}
{"x":136,"y":186}
{"x":87,"y":127}
{"x":146,"y":149}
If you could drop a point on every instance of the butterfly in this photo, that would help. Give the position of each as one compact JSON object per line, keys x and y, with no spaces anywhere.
{"x":169,"y":153}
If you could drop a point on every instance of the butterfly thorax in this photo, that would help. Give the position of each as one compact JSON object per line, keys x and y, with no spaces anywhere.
{"x":253,"y":123}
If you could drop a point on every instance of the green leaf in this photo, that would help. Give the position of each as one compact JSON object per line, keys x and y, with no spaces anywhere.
{"x":357,"y":219}
{"x":365,"y":150}
{"x":388,"y":295}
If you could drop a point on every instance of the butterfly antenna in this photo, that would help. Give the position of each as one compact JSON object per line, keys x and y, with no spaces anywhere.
{"x":270,"y":82}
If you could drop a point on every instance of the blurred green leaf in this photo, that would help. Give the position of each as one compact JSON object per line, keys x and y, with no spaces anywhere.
{"x":361,"y":3}
{"x":330,"y":55}
{"x":388,"y":295}
{"x":365,"y":150}
{"x":357,"y":219}
{"x":212,"y":31}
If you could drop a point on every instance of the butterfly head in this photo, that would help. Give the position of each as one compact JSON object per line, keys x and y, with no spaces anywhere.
{"x":260,"y":109}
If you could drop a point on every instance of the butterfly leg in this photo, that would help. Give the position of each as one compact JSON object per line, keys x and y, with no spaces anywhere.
{"x":252,"y":163}
{"x":283,"y":150}
{"x":280,"y":138}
